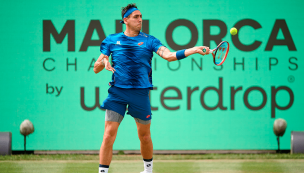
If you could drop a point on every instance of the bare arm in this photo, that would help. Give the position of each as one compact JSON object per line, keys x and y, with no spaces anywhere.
{"x":171,"y":56}
{"x":101,"y":63}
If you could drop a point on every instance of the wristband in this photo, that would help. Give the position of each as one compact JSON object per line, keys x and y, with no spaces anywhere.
{"x":180,"y":54}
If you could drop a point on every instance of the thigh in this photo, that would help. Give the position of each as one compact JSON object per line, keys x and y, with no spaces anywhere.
{"x":113,"y":116}
{"x":137,"y":120}
{"x":111,"y":128}
{"x":115,"y":101}
{"x":139,"y":106}
{"x":143,"y":129}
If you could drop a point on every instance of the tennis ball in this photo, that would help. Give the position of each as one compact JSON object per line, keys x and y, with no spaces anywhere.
{"x":26,"y":127}
{"x":233,"y":31}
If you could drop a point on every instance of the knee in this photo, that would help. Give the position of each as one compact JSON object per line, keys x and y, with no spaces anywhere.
{"x":108,"y":139}
{"x":145,"y":138}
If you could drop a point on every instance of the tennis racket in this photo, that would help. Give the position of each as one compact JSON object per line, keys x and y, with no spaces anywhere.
{"x":219,"y":53}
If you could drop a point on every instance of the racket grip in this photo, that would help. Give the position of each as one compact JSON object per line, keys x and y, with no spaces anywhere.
{"x":211,"y":51}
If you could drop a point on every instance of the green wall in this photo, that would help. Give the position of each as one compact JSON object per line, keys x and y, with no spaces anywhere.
{"x":264,"y":64}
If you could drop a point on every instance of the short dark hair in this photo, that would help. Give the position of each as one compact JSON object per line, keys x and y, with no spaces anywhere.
{"x":124,"y":9}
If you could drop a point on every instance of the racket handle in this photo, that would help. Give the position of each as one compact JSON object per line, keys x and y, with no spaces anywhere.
{"x":211,"y":51}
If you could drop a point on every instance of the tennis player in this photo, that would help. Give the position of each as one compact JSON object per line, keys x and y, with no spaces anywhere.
{"x":132,"y":52}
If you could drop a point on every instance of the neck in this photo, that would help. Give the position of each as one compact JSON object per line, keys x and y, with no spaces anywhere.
{"x":131,"y":33}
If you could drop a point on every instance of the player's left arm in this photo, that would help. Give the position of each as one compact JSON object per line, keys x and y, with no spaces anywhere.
{"x":166,"y":54}
{"x":101,"y":63}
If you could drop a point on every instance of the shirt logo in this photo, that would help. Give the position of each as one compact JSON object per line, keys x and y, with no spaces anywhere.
{"x":118,"y":42}
{"x":140,"y":43}
{"x":147,"y":116}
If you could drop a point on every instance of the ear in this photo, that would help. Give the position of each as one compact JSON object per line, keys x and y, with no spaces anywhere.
{"x":125,"y":20}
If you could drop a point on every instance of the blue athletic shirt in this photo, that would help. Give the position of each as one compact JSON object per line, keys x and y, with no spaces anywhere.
{"x":131,"y":58}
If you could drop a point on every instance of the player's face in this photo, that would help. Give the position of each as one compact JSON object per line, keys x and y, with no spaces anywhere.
{"x":135,"y":21}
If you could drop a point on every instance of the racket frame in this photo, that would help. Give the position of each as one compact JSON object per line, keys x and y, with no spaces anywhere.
{"x":215,"y":50}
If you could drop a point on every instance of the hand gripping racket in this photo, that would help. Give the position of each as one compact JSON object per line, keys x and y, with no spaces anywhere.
{"x":219,"y":53}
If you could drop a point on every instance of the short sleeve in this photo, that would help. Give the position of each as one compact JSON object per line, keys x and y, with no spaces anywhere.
{"x":156,"y":44}
{"x":105,"y":46}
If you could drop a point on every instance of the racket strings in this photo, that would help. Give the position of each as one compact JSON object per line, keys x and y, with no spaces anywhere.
{"x":221,"y":53}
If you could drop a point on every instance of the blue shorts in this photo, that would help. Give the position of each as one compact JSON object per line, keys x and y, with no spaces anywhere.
{"x":137,"y":100}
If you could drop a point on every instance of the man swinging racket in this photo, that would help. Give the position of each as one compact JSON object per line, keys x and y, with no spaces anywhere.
{"x":132,"y":52}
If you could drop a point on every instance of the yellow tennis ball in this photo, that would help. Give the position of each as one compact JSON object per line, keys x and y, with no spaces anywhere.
{"x":233,"y":31}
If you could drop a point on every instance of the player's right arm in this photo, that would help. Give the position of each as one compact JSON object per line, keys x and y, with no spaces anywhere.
{"x":101,"y":63}
{"x":166,"y":54}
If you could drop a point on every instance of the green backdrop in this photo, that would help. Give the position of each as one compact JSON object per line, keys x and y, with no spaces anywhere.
{"x":196,"y":105}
